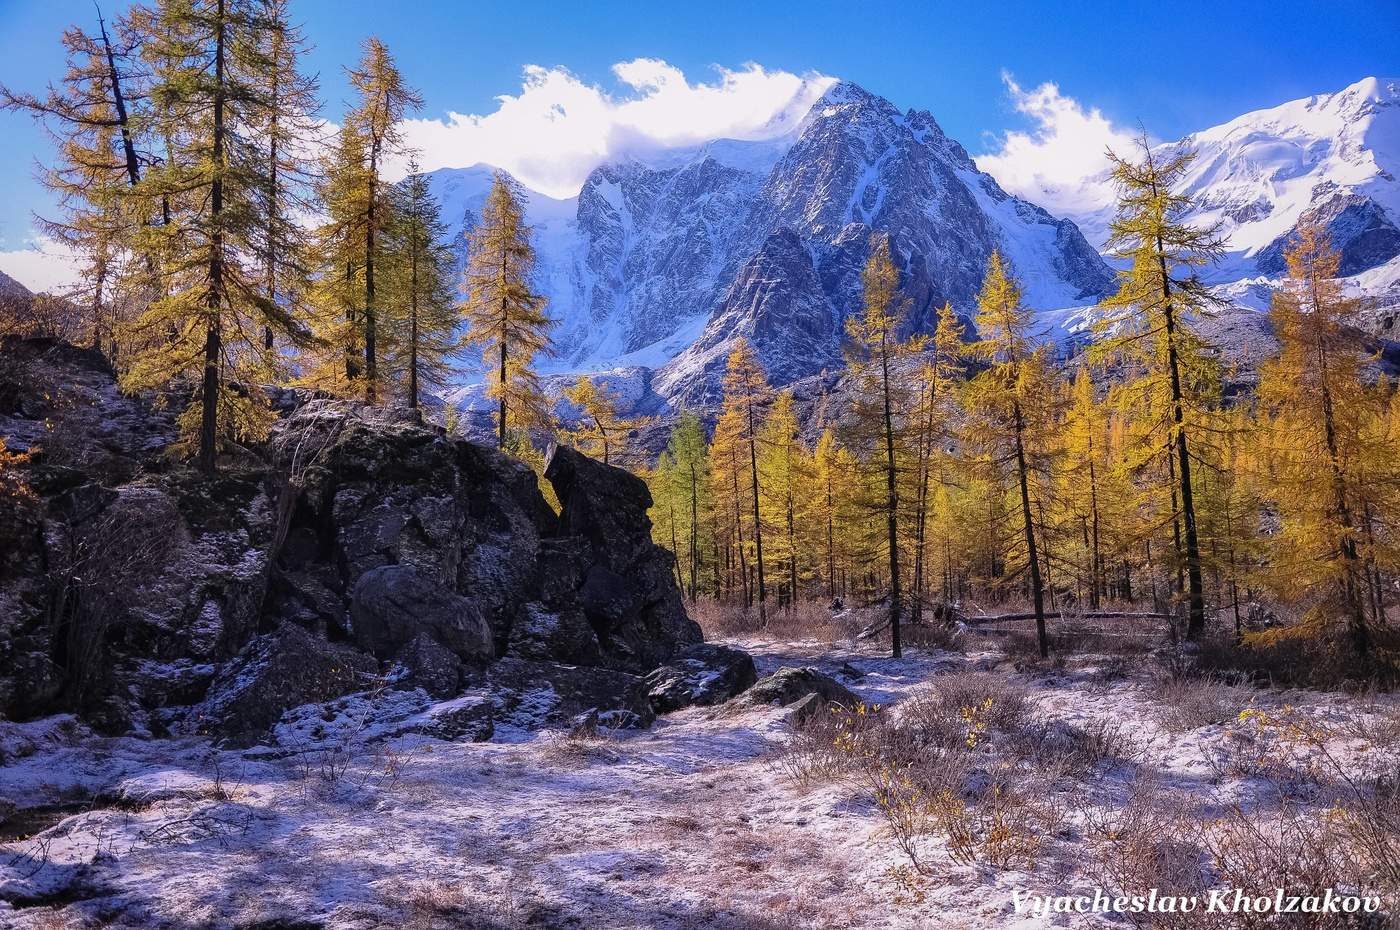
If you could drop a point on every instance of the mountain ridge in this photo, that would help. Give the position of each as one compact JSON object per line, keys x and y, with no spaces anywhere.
{"x":668,"y":258}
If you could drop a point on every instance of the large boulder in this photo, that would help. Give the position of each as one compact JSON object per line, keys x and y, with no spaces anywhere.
{"x":427,"y":664}
{"x":357,"y":540}
{"x":627,"y":590}
{"x":703,"y":674}
{"x":789,"y":685}
{"x":537,"y":694}
{"x":279,"y":671}
{"x":393,"y":604}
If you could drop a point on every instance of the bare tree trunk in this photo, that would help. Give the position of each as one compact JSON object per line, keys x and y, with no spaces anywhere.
{"x":209,"y":414}
{"x":1037,"y":589}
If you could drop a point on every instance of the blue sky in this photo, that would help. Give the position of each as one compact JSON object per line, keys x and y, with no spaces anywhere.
{"x":1175,"y":68}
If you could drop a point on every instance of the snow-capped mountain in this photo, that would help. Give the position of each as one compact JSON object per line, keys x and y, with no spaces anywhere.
{"x":661,"y":262}
{"x":1331,"y":156}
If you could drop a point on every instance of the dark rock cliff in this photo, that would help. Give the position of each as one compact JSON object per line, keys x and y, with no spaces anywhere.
{"x":357,"y":547}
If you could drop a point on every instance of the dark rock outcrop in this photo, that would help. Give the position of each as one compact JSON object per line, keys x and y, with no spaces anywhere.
{"x":356,"y":548}
{"x":277,"y":672}
{"x":427,"y":664}
{"x":546,"y":693}
{"x":703,"y":674}
{"x":627,"y":584}
{"x":1357,"y":226}
{"x":787,"y":687}
{"x":392,"y":605}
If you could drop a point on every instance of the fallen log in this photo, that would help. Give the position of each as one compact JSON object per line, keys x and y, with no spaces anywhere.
{"x":1095,"y":615}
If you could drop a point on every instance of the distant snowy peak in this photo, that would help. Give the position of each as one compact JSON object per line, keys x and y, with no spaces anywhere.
{"x":1333,"y":157}
{"x":663,"y":259}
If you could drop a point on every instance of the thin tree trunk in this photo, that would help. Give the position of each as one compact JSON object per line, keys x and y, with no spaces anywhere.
{"x":1196,"y":622}
{"x":413,"y":320}
{"x":371,"y":321}
{"x":1037,"y":590}
{"x":757,"y":524}
{"x":209,"y":419}
{"x":891,"y":505}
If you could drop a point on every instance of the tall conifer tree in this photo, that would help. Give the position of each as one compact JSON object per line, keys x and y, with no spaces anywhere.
{"x":506,"y":319}
{"x":1150,"y":316}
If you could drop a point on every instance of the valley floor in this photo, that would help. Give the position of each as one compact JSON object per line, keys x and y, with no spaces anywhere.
{"x":695,"y":823}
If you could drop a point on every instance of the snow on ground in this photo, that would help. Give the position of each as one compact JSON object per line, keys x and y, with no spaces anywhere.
{"x":688,"y":825}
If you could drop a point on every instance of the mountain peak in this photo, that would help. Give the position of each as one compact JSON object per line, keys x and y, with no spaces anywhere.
{"x":845,"y":92}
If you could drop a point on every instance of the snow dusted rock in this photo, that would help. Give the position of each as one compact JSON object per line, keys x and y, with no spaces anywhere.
{"x":277,"y":672}
{"x":467,"y":718}
{"x":628,"y":591}
{"x":787,"y":686}
{"x":565,"y":635}
{"x":703,"y":674}
{"x":426,"y":663}
{"x":394,"y":604}
{"x":536,"y":694}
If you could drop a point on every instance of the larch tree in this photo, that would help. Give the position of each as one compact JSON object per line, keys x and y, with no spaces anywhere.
{"x":289,"y":135}
{"x":688,"y":451}
{"x":933,"y":412}
{"x":1082,"y":477}
{"x":784,"y":470}
{"x":875,"y":352}
{"x":505,"y":317}
{"x":729,"y":487}
{"x":384,"y":100}
{"x":829,"y":482}
{"x":1322,"y":419}
{"x":1158,"y":292}
{"x":337,"y":290}
{"x":420,"y":306}
{"x":100,"y":141}
{"x":746,"y":395}
{"x":1010,"y":394}
{"x":210,"y":99}
{"x":600,"y":430}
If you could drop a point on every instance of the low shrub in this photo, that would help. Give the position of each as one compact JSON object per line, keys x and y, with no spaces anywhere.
{"x":1190,"y":703}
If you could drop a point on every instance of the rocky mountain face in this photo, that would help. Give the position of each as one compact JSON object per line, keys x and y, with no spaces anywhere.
{"x":661,"y":263}
{"x":359,"y":553}
{"x":9,"y":287}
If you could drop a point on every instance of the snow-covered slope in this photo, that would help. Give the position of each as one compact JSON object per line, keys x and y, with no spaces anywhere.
{"x":661,"y":262}
{"x":1332,"y":156}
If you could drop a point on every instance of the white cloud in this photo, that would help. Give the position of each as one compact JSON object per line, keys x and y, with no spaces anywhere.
{"x":559,"y":128}
{"x":46,"y":265}
{"x":1060,"y":164}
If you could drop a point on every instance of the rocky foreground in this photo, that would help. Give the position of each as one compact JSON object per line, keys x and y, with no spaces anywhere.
{"x":359,"y":550}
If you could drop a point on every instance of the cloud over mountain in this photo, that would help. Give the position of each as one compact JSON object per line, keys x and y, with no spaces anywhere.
{"x":1060,"y":164}
{"x":558,"y":128}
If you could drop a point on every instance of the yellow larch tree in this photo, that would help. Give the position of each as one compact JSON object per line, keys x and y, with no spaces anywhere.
{"x":1325,"y":445}
{"x":746,"y":396}
{"x":882,"y":403}
{"x":1010,"y":397}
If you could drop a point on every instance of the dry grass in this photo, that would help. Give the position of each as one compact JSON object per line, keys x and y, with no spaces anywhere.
{"x":448,"y":905}
{"x":1057,"y":748}
{"x":579,"y":747}
{"x":805,"y":620}
{"x":955,"y":705}
{"x":1188,"y":704}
